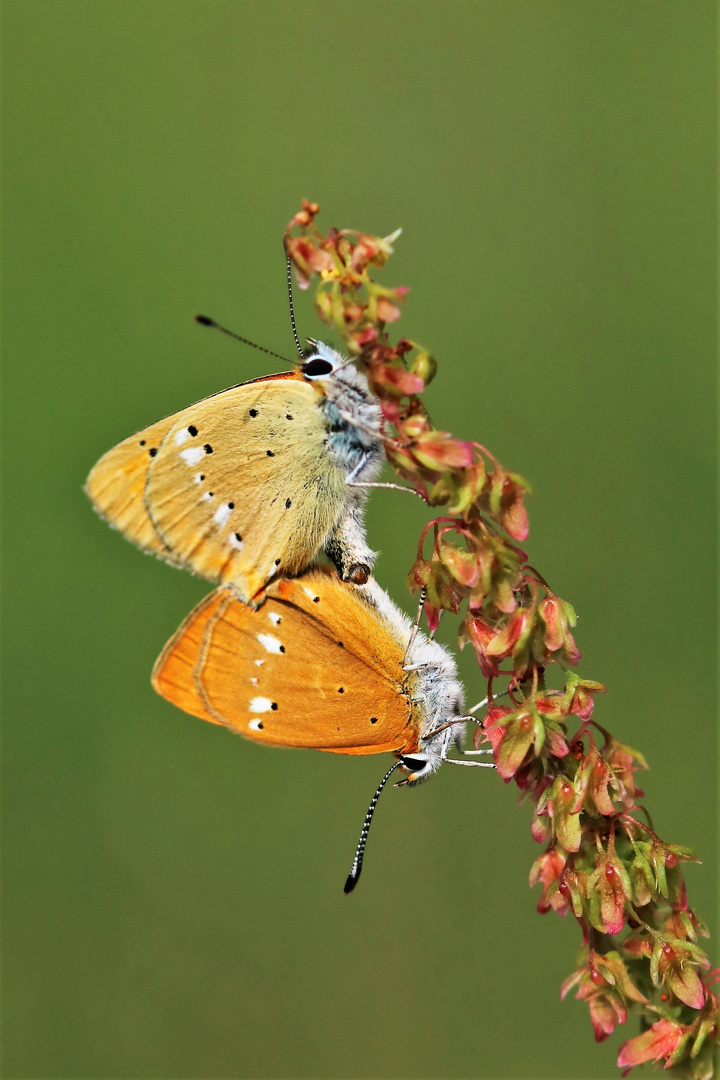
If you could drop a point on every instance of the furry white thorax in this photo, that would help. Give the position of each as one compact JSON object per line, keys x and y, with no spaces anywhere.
{"x":354,"y":417}
{"x":432,"y":684}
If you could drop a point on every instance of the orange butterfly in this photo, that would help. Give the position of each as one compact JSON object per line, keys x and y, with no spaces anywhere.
{"x":321,"y":664}
{"x":252,"y":482}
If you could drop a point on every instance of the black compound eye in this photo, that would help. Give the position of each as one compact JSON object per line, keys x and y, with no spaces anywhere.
{"x":317,"y":367}
{"x":414,"y":764}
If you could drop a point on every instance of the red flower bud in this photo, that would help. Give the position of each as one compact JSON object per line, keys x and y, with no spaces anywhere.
{"x":546,"y":869}
{"x":558,"y":616}
{"x":612,"y":882}
{"x":662,"y":1040}
{"x":523,"y":729}
{"x":481,"y":635}
{"x":397,"y":380}
{"x":388,"y":313}
{"x":461,"y":564}
{"x":437,"y":450}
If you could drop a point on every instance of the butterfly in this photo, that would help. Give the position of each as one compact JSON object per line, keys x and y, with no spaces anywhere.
{"x":322,"y":664}
{"x":252,"y":482}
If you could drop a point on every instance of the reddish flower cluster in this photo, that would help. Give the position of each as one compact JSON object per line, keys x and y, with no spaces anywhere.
{"x":601,"y":864}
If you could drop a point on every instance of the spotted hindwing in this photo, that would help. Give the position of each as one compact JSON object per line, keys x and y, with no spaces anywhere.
{"x":315,"y":666}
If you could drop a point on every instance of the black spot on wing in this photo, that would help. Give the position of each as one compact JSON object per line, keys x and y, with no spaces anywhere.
{"x":208,"y":448}
{"x":192,"y":430}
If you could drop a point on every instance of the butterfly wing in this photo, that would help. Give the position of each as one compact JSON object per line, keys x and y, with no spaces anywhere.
{"x":174,"y":671}
{"x":314,"y":667}
{"x":235,"y":488}
{"x":244,"y":488}
{"x":116,"y":486}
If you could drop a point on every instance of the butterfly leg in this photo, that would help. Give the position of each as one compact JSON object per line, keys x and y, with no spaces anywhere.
{"x":353,"y":482}
{"x":392,"y":487}
{"x":347,"y":547}
{"x":457,"y":742}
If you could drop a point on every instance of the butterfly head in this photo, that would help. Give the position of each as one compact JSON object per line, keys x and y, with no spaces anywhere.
{"x":352,"y":412}
{"x":321,"y":362}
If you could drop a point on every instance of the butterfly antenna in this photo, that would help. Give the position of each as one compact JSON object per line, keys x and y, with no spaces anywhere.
{"x":292,"y":310}
{"x":354,"y":875}
{"x":205,"y":321}
{"x":416,"y":627}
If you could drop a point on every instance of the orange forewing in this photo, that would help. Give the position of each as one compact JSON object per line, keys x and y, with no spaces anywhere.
{"x":300,"y":671}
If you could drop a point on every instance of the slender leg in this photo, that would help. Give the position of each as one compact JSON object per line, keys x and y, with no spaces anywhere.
{"x":353,"y":483}
{"x":392,"y":487}
{"x":413,"y":635}
{"x":477,"y":764}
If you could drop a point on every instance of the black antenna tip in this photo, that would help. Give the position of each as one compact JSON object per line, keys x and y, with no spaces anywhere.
{"x":352,"y":880}
{"x":204,"y":321}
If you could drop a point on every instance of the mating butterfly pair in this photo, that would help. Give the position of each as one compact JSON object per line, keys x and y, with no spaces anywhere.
{"x":246,"y":488}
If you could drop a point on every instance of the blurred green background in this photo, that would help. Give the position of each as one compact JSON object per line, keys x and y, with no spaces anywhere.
{"x":173,"y":896}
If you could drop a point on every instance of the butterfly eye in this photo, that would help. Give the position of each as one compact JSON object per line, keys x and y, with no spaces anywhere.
{"x":417,"y":766}
{"x":316,"y":367}
{"x":414,"y":764}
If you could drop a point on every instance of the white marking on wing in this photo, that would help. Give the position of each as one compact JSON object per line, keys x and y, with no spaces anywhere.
{"x":222,"y":513}
{"x":270,"y":643}
{"x":235,"y":543}
{"x":255,"y":725}
{"x":207,"y":497}
{"x":274,"y":617}
{"x":181,"y":436}
{"x":199,"y":478}
{"x":193,"y":455}
{"x":259,"y":663}
{"x":308,"y":592}
{"x":254,"y":681}
{"x":261,"y":704}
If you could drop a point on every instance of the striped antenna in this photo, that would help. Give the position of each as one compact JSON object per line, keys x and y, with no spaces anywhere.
{"x":292,"y":310}
{"x":354,"y":875}
{"x":205,"y":321}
